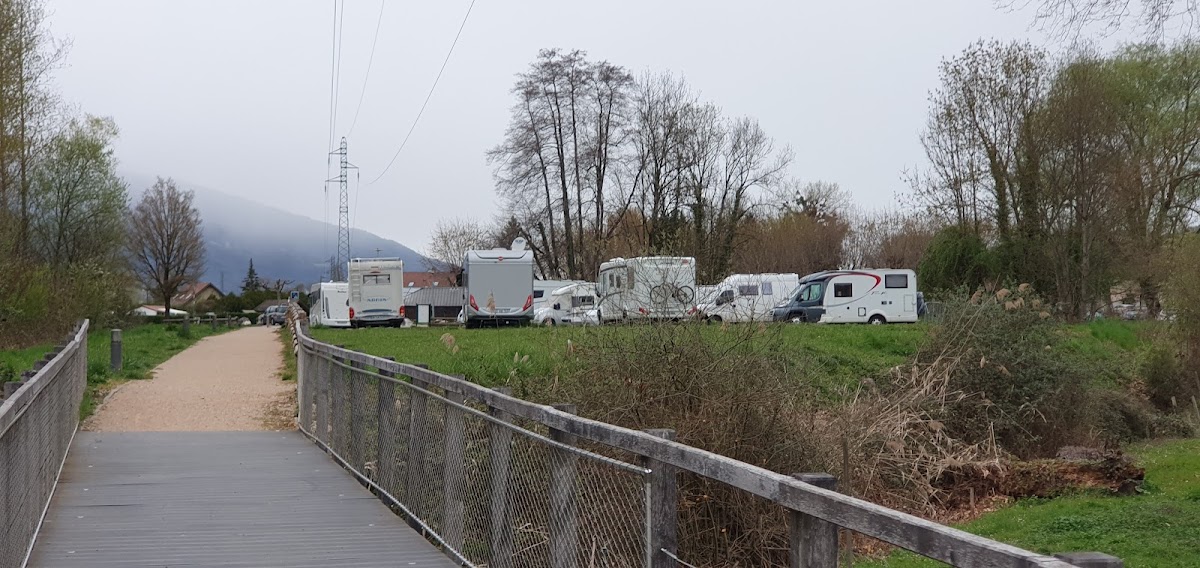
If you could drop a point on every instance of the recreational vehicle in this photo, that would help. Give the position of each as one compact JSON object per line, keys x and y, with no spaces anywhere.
{"x":567,"y":305}
{"x":543,"y":288}
{"x":499,"y":285}
{"x":376,"y":291}
{"x":747,"y":297}
{"x":852,"y":296}
{"x":650,"y":287}
{"x":329,"y":304}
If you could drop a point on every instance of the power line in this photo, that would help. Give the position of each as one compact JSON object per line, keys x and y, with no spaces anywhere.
{"x":428,"y":96}
{"x":370,"y":60}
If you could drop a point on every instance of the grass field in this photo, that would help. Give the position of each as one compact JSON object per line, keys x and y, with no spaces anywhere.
{"x":1155,"y":529}
{"x":841,"y":354}
{"x":145,"y":347}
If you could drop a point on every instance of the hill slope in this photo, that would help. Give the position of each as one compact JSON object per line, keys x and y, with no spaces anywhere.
{"x":282,"y":244}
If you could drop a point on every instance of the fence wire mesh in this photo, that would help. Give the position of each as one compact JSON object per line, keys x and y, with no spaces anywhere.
{"x":489,"y":491}
{"x":37,"y":423}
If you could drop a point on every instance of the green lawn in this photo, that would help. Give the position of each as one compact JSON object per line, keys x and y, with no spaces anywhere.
{"x":842,"y":354}
{"x":1160,"y":528}
{"x":145,"y":347}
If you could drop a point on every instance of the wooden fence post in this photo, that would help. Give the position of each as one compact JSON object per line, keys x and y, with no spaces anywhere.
{"x":453,"y":508}
{"x":417,"y":416}
{"x":1090,"y":560}
{"x":664,"y":507}
{"x":387,"y":430}
{"x":115,"y":352}
{"x":358,"y":402}
{"x":321,"y":397}
{"x":337,"y":380}
{"x":813,"y":541}
{"x":564,"y":506}
{"x":500,"y":439}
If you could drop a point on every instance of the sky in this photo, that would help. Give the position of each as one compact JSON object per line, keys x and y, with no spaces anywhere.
{"x":235,"y":95}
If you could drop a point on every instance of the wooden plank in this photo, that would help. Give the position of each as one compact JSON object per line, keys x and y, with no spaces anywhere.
{"x":453,"y":506}
{"x":813,"y":541}
{"x":564,"y":498}
{"x":500,"y":528}
{"x":663,"y":540}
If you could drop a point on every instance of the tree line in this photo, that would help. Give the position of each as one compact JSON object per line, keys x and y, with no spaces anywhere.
{"x":70,"y":243}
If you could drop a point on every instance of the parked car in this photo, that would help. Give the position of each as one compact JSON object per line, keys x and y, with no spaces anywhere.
{"x":275,"y":315}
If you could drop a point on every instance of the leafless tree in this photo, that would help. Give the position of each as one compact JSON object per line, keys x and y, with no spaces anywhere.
{"x":451,"y":240}
{"x":1068,"y":18}
{"x":166,"y":240}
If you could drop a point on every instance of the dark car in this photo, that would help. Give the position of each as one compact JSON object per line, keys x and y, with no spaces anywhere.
{"x":275,"y":315}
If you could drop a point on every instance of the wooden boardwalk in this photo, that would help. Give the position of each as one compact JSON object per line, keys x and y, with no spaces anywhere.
{"x":217,"y":499}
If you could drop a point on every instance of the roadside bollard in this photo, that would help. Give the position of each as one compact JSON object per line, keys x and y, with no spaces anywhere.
{"x":187,"y":325}
{"x":115,"y":352}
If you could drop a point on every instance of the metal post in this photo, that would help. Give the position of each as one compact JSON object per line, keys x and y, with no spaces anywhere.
{"x":212,"y":320}
{"x":187,"y":325}
{"x":664,"y":507}
{"x":500,"y":439}
{"x":416,"y":446}
{"x":1090,"y":560}
{"x":115,"y":353}
{"x":813,"y":541}
{"x":453,"y":508}
{"x":564,"y":506}
{"x":355,"y":452}
{"x":387,"y":430}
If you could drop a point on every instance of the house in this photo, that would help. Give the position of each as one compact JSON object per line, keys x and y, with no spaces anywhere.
{"x":151,"y":311}
{"x":446,"y":301}
{"x":429,"y":279}
{"x":197,"y":296}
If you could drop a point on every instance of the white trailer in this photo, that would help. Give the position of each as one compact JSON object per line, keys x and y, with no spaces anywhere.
{"x":567,"y":305}
{"x":748,"y":297}
{"x":649,"y":288}
{"x":853,"y":296}
{"x":543,"y":288}
{"x":499,"y":286}
{"x":376,"y":291}
{"x":329,"y":304}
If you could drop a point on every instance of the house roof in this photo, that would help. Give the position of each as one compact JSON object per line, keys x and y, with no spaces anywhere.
{"x":268,"y":303}
{"x":438,"y":296}
{"x":192,"y":291}
{"x":428,"y":279}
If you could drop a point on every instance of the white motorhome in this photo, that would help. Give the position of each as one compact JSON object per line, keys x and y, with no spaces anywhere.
{"x":376,"y":291}
{"x":649,"y":287}
{"x":543,"y":288}
{"x":748,"y":297}
{"x":853,"y":296}
{"x":499,"y":286}
{"x":329,"y":304}
{"x":567,"y":305}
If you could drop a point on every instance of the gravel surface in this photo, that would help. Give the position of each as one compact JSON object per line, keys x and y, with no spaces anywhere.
{"x":223,"y":382}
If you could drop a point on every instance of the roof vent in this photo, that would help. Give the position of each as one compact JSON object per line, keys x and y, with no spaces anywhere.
{"x":518,"y":244}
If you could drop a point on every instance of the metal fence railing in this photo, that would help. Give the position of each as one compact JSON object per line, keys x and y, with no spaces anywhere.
{"x":38,"y":418}
{"x":497,"y":481}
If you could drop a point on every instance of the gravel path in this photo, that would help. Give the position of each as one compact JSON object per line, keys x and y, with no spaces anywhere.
{"x":223,"y":382}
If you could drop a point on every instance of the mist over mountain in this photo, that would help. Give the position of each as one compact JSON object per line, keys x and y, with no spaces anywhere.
{"x":282,"y":244}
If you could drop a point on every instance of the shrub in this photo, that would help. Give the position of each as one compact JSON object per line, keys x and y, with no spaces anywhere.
{"x":956,"y":258}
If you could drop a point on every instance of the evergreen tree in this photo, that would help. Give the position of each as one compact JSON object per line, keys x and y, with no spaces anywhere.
{"x":252,"y":283}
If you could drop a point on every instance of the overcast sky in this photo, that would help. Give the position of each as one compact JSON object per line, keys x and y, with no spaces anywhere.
{"x":235,"y":95}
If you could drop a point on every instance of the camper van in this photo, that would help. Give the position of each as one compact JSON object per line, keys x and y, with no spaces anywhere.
{"x":499,"y":286}
{"x":543,"y":288}
{"x":567,"y":305}
{"x":649,"y":287}
{"x":747,"y":297}
{"x":852,"y":296}
{"x":376,"y":291}
{"x":329,"y":304}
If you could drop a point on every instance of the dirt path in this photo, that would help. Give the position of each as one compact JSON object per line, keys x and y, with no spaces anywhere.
{"x":223,"y":382}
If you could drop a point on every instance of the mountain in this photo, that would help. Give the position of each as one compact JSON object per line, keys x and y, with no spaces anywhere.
{"x":282,"y":244}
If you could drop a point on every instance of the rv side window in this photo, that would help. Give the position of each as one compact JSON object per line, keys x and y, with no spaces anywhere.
{"x":895,"y":281}
{"x":845,"y":290}
{"x":812,"y":292}
{"x":766,"y":289}
{"x":748,"y":290}
{"x":376,"y":279}
{"x":538,"y":293}
{"x":619,"y":282}
{"x":630,"y":278}
{"x":577,"y":301}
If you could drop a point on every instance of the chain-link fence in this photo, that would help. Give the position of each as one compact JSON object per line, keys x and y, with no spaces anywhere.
{"x":491,"y":489}
{"x":38,"y":418}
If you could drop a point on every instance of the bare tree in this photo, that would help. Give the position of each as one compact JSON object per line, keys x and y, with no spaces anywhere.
{"x":1068,"y":18}
{"x":166,"y":240}
{"x":451,"y":240}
